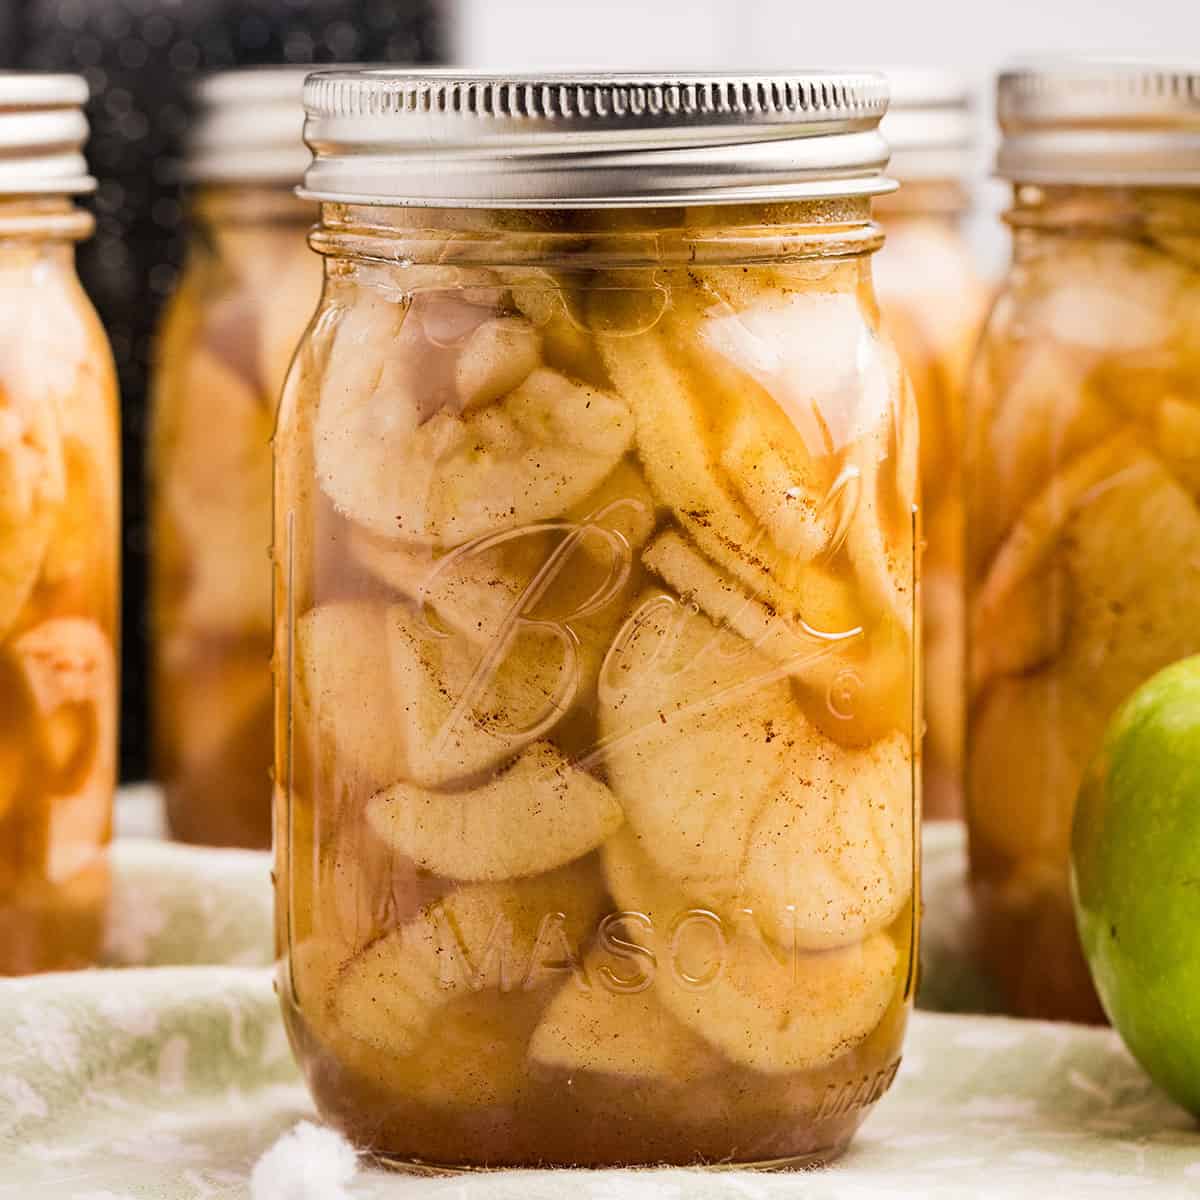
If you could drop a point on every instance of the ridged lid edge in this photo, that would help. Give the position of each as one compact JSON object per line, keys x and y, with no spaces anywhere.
{"x":598,"y":97}
{"x":463,"y":139}
{"x":1101,"y":122}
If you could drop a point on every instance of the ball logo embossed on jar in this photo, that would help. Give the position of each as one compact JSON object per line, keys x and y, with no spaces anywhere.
{"x":536,"y":610}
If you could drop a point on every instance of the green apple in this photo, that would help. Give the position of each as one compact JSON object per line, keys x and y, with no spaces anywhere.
{"x":1135,"y":877}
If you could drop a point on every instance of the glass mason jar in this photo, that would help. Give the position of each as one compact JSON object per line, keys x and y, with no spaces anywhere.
{"x":933,"y":302}
{"x":247,"y":291}
{"x":58,"y":544}
{"x":594,"y":550}
{"x":1083,"y":504}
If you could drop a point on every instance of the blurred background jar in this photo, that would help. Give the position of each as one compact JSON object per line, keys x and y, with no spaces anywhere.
{"x":933,"y":300}
{"x":248,"y":288}
{"x":141,"y":59}
{"x":595,"y":618}
{"x":1083,"y":481}
{"x":59,"y":533}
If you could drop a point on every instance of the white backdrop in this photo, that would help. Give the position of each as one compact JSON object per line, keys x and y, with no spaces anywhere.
{"x":971,"y":36}
{"x":708,"y":33}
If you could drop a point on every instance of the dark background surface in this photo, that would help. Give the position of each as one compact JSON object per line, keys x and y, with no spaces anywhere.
{"x":140,"y":57}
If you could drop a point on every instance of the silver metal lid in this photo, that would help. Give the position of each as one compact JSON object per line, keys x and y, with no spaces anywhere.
{"x":1093,"y":121}
{"x":479,"y":140}
{"x":930,"y":124}
{"x":249,"y":127}
{"x":42,"y":134}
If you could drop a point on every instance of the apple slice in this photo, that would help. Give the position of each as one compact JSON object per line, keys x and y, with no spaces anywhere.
{"x":538,"y":814}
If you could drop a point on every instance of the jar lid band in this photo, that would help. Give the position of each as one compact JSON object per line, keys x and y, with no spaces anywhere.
{"x":930,"y":124}
{"x":1091,"y":121}
{"x":454,"y":139}
{"x":42,"y":134}
{"x":249,"y":127}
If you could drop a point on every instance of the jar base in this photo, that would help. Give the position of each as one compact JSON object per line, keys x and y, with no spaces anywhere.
{"x":812,"y":1161}
{"x":553,"y":1122}
{"x":1028,"y":947}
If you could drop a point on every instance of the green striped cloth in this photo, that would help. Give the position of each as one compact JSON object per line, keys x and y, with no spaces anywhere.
{"x":167,"y":1075}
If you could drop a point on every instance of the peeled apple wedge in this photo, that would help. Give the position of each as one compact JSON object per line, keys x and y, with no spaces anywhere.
{"x":679,"y":444}
{"x":77,"y":557}
{"x":496,"y":358}
{"x":1107,"y":559}
{"x":772,"y":1011}
{"x":622,"y":503}
{"x":805,"y":348}
{"x":538,"y":814}
{"x":626,"y":1034}
{"x":228,"y":586}
{"x":930,"y":383}
{"x":75,"y":554}
{"x":756,"y":452}
{"x":508,"y":636}
{"x":881,"y":534}
{"x":1031,"y":738}
{"x":863,"y":692}
{"x":471,"y":593}
{"x":672,"y":440}
{"x":510,"y":937}
{"x":783,"y":636}
{"x":473,"y":1054}
{"x":836,"y":410}
{"x":346,"y":701}
{"x":219,"y":496}
{"x":360,"y":889}
{"x":1109,"y":296}
{"x":737,"y":797}
{"x":1043,"y":414}
{"x":554,"y":571}
{"x":460,"y":709}
{"x":788,"y":500}
{"x":214,"y":721}
{"x":285,"y":307}
{"x":858,"y":818}
{"x":32,"y":487}
{"x":856,"y":685}
{"x":1133,"y":556}
{"x":217,"y":699}
{"x":70,"y":670}
{"x":1130,"y":561}
{"x":1019,"y":616}
{"x":226,"y":427}
{"x":393,"y":699}
{"x":405,"y":459}
{"x":549,"y":443}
